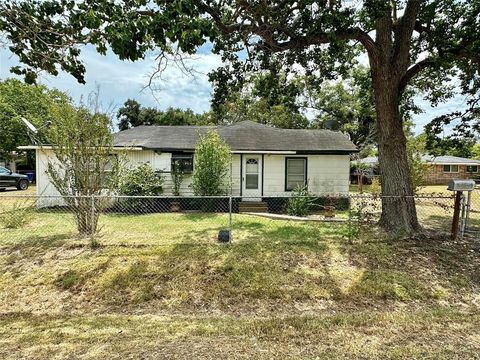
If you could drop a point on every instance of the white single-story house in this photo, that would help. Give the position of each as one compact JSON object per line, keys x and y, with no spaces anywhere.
{"x":266,"y":161}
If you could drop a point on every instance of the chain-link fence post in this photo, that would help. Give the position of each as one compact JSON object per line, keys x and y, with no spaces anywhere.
{"x":230,"y":216}
{"x":360,"y":214}
{"x":350,"y":227}
{"x":92,"y":219}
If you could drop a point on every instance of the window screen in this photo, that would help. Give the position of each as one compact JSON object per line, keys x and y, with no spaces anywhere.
{"x":182,"y":162}
{"x":472,"y":168}
{"x":296,"y":172}
{"x":251,"y":174}
{"x":450,"y":168}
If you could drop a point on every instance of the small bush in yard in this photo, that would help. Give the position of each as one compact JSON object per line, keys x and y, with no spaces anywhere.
{"x":19,"y":216}
{"x":141,"y":181}
{"x":211,"y":166}
{"x":299,"y":204}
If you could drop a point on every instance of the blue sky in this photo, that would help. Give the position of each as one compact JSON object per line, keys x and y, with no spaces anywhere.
{"x":120,"y":80}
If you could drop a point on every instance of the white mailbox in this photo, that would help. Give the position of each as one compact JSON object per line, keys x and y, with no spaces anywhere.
{"x":461,"y":185}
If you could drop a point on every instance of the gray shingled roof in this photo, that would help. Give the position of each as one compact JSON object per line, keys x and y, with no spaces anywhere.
{"x":449,"y":160}
{"x":245,"y":135}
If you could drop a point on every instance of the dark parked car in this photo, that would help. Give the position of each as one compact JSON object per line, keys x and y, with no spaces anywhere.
{"x":11,"y":179}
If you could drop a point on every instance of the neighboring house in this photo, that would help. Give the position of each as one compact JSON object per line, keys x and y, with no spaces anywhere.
{"x":266,"y":161}
{"x":365,"y":169}
{"x":440,"y":169}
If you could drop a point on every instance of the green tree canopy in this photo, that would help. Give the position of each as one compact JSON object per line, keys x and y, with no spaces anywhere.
{"x":132,"y":114}
{"x":32,"y":102}
{"x":241,"y":108}
{"x":348,"y":106}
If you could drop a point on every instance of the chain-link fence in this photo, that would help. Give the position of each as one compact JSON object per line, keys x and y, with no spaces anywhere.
{"x":471,"y":213}
{"x":140,"y":221}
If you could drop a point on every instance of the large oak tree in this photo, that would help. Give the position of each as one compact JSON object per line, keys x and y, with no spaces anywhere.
{"x":403,"y":39}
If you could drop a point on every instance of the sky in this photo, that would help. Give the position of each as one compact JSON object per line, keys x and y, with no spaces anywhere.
{"x":119,"y":80}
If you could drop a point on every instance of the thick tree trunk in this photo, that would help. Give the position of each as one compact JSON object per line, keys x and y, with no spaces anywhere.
{"x":399,"y":216}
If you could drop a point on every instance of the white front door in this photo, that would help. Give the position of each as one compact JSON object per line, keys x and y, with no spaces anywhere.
{"x":252,"y":177}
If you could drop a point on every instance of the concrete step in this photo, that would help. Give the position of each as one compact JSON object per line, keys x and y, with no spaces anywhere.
{"x":252,"y":206}
{"x":253,"y":210}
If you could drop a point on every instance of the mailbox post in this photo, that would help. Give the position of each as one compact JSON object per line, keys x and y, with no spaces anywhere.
{"x":459,"y":186}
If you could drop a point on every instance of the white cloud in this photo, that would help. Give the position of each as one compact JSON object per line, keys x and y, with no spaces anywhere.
{"x":119,"y":80}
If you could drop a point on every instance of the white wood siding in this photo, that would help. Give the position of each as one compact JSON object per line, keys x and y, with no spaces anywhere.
{"x":44,"y":185}
{"x":159,"y":161}
{"x":327,"y":174}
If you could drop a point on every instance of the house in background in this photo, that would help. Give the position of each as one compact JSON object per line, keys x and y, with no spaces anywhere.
{"x":266,"y":161}
{"x":440,"y":169}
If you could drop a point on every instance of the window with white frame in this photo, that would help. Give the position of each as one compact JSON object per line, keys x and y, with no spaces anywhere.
{"x":295,"y":173}
{"x":450,"y":168}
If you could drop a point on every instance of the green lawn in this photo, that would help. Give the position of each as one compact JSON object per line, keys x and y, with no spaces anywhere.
{"x":159,"y":286}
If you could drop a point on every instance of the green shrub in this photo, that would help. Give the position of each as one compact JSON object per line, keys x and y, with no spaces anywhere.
{"x":211,"y":166}
{"x":19,"y":216}
{"x":177,"y":177}
{"x":141,"y":181}
{"x":300,"y":203}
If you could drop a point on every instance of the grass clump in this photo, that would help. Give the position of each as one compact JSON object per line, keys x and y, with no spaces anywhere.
{"x":69,"y":280}
{"x":18,"y":216}
{"x":133,"y":283}
{"x":390,"y":285}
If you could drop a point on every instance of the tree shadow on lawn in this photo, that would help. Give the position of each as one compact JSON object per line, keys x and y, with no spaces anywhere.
{"x":414,"y":268}
{"x":241,"y":274}
{"x":280,"y":264}
{"x":274,"y":233}
{"x":436,"y":222}
{"x":40,"y":242}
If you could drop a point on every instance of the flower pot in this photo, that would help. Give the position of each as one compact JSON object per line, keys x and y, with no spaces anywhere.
{"x":329,"y":211}
{"x":175,"y":206}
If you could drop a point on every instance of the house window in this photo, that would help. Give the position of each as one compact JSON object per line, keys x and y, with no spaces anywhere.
{"x":182,"y":162}
{"x":295,"y":172}
{"x":450,"y":168}
{"x":472,"y":169}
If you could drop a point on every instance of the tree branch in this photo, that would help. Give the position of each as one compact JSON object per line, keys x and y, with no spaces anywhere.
{"x":403,"y":33}
{"x":265,"y":31}
{"x":413,"y":71}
